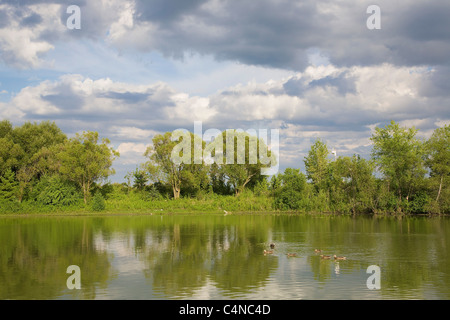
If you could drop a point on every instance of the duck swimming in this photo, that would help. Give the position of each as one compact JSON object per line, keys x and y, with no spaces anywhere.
{"x":291,"y":254}
{"x":339,"y":258}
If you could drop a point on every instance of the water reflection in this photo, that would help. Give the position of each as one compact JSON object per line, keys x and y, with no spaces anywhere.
{"x":217,"y":257}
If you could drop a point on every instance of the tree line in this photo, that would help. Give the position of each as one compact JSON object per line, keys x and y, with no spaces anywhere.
{"x":41,"y":166}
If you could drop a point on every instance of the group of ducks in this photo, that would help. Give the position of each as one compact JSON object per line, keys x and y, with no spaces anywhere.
{"x":335,"y":257}
{"x":272,"y":246}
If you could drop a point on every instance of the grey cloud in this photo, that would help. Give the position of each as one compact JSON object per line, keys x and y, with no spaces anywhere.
{"x":343,"y":84}
{"x":425,"y":21}
{"x":294,"y":87}
{"x":128,"y":97}
{"x":437,"y":83}
{"x":165,"y":11}
{"x":279,"y":33}
{"x":31,"y":20}
{"x":64,"y":98}
{"x":4,"y":19}
{"x":64,"y":101}
{"x":276,"y":34}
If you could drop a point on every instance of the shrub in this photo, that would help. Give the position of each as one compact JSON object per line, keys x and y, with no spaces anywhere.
{"x":56,"y":191}
{"x":98,"y":202}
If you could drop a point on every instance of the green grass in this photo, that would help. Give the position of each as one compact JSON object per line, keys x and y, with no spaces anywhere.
{"x":135,"y":202}
{"x":140,"y":203}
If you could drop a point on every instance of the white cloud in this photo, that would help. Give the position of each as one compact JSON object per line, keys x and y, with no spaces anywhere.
{"x":340,"y":105}
{"x":131,"y":153}
{"x":21,"y":45}
{"x":132,"y":147}
{"x":134,"y":133}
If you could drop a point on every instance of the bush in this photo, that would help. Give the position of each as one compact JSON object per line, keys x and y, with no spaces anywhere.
{"x":7,"y":206}
{"x":418,"y":203}
{"x":98,"y":202}
{"x":287,"y":199}
{"x":8,"y":186}
{"x":57,"y":192}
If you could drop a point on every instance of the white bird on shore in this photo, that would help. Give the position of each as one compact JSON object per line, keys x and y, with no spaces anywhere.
{"x":226,"y":212}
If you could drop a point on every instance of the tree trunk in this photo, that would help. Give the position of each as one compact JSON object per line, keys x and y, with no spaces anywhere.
{"x":86,"y":186}
{"x":176,"y":192}
{"x":241,"y":188}
{"x":440,"y":188}
{"x":85,"y":195}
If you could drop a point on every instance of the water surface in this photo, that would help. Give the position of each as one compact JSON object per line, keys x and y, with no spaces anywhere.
{"x":221,"y":257}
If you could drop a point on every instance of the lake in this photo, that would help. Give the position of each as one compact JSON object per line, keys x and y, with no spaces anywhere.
{"x":222,"y":257}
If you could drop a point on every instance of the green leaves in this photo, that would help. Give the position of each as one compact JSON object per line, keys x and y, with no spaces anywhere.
{"x":290,"y":188}
{"x":98,"y":203}
{"x":316,"y":164}
{"x":399,"y":156}
{"x":438,"y":161}
{"x":85,"y":161}
{"x":9,"y":187}
{"x":55,"y":191}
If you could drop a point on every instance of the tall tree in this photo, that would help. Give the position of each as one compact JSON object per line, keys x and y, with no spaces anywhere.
{"x":354,"y":176}
{"x":290,"y":190}
{"x":174,"y":161}
{"x":25,"y":143}
{"x":438,"y":156}
{"x":140,"y":178}
{"x":243,"y":158}
{"x":84,"y":160}
{"x":399,"y":156}
{"x":6,"y":128}
{"x":8,"y":186}
{"x":32,"y":137}
{"x":316,"y":164}
{"x":11,"y":155}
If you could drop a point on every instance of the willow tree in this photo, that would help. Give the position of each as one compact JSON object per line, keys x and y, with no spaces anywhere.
{"x":173,"y":160}
{"x":242,"y":158}
{"x":84,"y":160}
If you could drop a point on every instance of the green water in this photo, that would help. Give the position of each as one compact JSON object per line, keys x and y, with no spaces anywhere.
{"x":221,"y":257}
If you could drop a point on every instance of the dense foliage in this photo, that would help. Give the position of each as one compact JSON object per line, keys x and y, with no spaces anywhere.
{"x":41,"y":170}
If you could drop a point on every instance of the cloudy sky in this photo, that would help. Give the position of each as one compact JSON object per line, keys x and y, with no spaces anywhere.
{"x":311,"y":69}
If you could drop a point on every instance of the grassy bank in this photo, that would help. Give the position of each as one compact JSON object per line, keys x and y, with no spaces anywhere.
{"x":138,"y":203}
{"x":120,"y":201}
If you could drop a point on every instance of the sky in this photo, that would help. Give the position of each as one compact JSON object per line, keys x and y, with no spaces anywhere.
{"x":310,"y":69}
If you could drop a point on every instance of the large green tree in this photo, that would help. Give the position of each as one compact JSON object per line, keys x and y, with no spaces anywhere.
{"x":288,"y":189}
{"x":438,"y":158}
{"x":20,"y":146}
{"x":316,"y":164}
{"x":85,"y":160}
{"x":174,"y":161}
{"x":353,"y":179}
{"x":242,"y":157}
{"x":8,"y":186}
{"x":399,"y":156}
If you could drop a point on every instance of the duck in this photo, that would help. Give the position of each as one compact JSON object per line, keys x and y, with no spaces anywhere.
{"x":291,"y":254}
{"x":339,"y":258}
{"x":325,"y":257}
{"x":268,"y":251}
{"x":272,"y":245}
{"x":317,"y":250}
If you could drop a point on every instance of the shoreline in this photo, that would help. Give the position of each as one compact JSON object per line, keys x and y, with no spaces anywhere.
{"x":209,"y":212}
